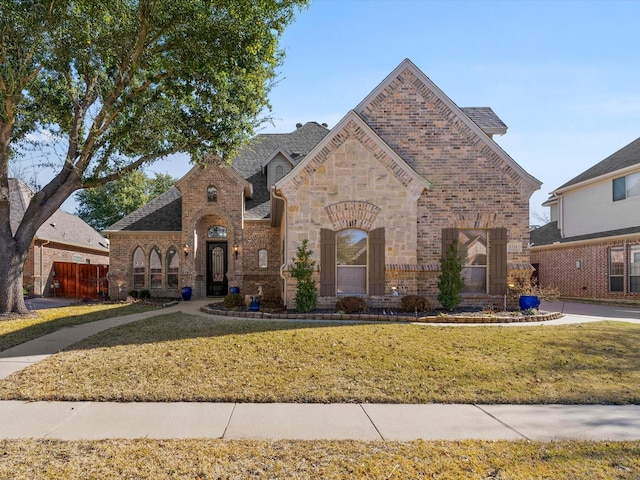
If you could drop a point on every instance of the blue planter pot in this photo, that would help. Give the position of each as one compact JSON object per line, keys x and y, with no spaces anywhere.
{"x":529,"y":301}
{"x":234,"y":290}
{"x":186,"y":293}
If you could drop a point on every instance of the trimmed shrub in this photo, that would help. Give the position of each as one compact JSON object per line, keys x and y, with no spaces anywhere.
{"x":234,"y":300}
{"x":351,"y":305}
{"x":302,"y":270}
{"x":451,"y":281}
{"x":133,"y":293}
{"x":144,"y":295}
{"x":413,"y":303}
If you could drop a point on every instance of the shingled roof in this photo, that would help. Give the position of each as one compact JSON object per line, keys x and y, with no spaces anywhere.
{"x":550,"y":233}
{"x":162,"y":214}
{"x":249,"y":161}
{"x":486,"y":119}
{"x":625,"y":157}
{"x":61,"y":227}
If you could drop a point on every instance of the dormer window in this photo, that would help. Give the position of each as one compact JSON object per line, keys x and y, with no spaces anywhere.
{"x":212,"y":194}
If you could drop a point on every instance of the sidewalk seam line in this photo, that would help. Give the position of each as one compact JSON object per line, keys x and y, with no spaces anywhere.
{"x":501,"y":422}
{"x":67,"y":419}
{"x":226,"y":427}
{"x":372,"y":422}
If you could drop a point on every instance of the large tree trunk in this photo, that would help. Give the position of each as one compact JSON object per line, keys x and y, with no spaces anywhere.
{"x":11,"y":268}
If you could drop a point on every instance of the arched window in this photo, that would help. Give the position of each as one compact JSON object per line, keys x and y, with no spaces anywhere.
{"x":212,"y":194}
{"x":172,"y":267}
{"x":138,"y":269}
{"x":279,"y":172}
{"x":351,"y":261}
{"x":155,"y":269}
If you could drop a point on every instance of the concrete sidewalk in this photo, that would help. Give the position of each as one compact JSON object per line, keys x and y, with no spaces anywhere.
{"x":366,"y":422}
{"x":101,"y":420}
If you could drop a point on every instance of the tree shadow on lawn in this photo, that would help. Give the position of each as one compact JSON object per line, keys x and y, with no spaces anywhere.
{"x":179,"y":326}
{"x":33,"y":330}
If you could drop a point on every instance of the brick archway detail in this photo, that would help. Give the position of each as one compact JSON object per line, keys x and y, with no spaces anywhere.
{"x":352,"y":214}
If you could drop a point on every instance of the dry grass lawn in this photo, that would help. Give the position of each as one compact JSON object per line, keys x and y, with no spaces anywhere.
{"x":177,"y":357}
{"x":215,"y":459}
{"x":18,"y":329}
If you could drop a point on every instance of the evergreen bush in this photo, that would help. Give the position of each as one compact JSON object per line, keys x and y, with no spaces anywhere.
{"x":451,"y":281}
{"x":302,"y":270}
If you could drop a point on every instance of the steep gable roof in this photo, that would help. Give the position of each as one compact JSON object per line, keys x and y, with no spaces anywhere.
{"x":528,"y":183}
{"x":355,"y":126}
{"x":626,"y":157}
{"x":61,"y":227}
{"x":162,"y":214}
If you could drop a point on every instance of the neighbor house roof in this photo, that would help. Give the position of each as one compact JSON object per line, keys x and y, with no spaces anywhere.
{"x":627,"y":156}
{"x":162,"y":214}
{"x":550,"y":233}
{"x":62,"y":227}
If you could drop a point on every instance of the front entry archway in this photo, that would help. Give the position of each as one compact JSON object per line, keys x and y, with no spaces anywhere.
{"x":217,"y":264}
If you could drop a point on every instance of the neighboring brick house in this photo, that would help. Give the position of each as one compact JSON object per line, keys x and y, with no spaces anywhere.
{"x":591,"y":247}
{"x":61,"y":245}
{"x":379,"y":197}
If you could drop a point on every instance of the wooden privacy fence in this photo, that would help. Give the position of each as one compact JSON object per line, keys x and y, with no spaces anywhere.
{"x":79,"y":280}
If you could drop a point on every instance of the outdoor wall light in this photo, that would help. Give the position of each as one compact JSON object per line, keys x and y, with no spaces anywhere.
{"x":235,"y":250}
{"x":578,"y":264}
{"x":185,"y":249}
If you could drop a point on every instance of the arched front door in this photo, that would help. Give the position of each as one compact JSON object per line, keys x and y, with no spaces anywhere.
{"x":216,"y":269}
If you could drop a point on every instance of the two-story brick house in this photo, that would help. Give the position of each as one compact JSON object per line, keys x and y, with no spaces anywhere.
{"x":591,"y":247}
{"x":379,"y":197}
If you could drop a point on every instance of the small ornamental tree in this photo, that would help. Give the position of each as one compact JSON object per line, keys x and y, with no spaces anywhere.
{"x":451,"y":281}
{"x":302,"y":270}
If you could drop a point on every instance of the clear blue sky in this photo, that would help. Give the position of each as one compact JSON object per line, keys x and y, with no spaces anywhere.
{"x":563,"y":75}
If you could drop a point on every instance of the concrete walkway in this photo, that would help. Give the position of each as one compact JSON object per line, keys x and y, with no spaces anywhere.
{"x":101,"y":420}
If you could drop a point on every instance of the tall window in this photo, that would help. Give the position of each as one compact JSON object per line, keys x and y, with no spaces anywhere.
{"x":351,"y":256}
{"x":475,"y":269}
{"x":155,"y":269}
{"x":616,"y":269}
{"x":625,"y":187}
{"x":262,"y":258}
{"x":172,"y":268}
{"x":634,"y":269}
{"x":138,"y":269}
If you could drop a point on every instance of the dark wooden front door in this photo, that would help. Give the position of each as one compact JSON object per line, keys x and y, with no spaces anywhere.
{"x":217,"y":269}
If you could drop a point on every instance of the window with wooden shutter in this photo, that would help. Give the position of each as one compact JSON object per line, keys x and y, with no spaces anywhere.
{"x":376,"y":262}
{"x":498,"y":261}
{"x":327,"y":262}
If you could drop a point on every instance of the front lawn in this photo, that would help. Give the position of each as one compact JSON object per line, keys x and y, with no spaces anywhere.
{"x":216,"y":459}
{"x":177,"y":357}
{"x":17,"y":329}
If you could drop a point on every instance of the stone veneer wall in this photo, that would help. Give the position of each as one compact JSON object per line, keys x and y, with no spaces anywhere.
{"x":353,"y":170}
{"x":557,"y":267}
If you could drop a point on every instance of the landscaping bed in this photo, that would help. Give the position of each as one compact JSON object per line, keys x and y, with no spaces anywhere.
{"x":462,"y":316}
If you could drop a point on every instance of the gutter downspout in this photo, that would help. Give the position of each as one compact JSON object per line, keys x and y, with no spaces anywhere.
{"x":284,"y":238}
